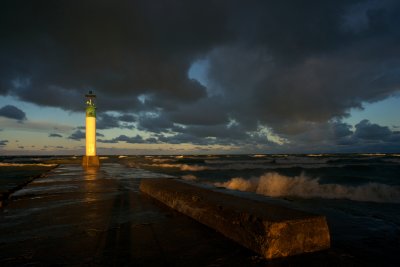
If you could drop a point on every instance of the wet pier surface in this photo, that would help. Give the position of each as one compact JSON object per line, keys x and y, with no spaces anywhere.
{"x":99,"y":217}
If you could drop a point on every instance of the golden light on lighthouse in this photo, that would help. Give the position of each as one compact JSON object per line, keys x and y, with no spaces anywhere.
{"x":90,"y":159}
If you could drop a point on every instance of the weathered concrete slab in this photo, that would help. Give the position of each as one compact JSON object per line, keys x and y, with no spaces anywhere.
{"x":270,"y":230}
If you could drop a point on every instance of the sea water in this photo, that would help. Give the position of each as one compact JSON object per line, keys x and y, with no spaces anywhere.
{"x":358,"y":193}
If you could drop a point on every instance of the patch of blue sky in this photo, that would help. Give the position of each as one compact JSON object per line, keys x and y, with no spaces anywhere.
{"x":49,"y":114}
{"x":198,"y":71}
{"x":385,"y":112}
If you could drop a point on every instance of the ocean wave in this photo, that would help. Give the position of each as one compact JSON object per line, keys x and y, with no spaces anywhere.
{"x":242,"y":161}
{"x":392,"y":160}
{"x":189,"y":177}
{"x":162,"y":160}
{"x":236,"y":167}
{"x":4,"y":164}
{"x":277,"y":185}
{"x":372,"y":154}
{"x":182,"y":167}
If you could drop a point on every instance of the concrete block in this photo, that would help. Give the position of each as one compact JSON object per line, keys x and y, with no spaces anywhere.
{"x":268,"y":229}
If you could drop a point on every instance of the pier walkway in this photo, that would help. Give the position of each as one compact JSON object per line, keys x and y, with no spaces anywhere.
{"x":77,"y":217}
{"x":99,"y":217}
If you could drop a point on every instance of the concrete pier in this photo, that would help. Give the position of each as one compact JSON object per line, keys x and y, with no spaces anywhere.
{"x":267,"y":229}
{"x":98,"y":217}
{"x":90,"y":161}
{"x":76,"y":216}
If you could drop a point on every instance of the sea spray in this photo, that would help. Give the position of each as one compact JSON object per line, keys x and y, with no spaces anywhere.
{"x":276,"y":185}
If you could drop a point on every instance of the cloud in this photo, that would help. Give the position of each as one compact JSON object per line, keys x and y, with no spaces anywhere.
{"x":12,"y":112}
{"x":3,"y":142}
{"x":339,"y":137}
{"x":35,"y":126}
{"x":107,"y":121}
{"x":370,"y":131}
{"x":131,"y":140}
{"x":155,"y":123}
{"x":55,"y":135}
{"x":77,"y":135}
{"x":291,"y":67}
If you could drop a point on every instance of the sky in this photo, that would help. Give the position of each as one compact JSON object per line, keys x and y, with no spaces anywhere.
{"x":200,"y":77}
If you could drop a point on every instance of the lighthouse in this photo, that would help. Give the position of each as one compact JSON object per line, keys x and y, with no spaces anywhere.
{"x":90,"y":159}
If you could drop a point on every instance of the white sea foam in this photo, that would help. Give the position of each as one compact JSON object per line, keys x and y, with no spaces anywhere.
{"x":162,"y":160}
{"x":276,"y":185}
{"x":373,"y":154}
{"x":6,"y":164}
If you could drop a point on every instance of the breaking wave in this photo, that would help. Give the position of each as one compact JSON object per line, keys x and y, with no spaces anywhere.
{"x":162,"y":160}
{"x":276,"y":185}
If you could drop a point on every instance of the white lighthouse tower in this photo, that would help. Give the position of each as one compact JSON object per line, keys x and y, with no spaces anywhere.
{"x":90,"y":159}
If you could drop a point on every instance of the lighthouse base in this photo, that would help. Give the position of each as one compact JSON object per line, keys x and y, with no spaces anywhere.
{"x":90,"y":161}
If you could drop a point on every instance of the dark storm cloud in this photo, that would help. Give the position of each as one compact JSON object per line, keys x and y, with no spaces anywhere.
{"x":371,"y":131}
{"x":340,"y":137}
{"x":122,"y":50}
{"x":155,"y":123}
{"x":3,"y":142}
{"x":77,"y":135}
{"x":288,"y":65}
{"x":127,"y":118}
{"x":107,"y":121}
{"x":55,"y":135}
{"x":132,"y":140}
{"x":12,"y":112}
